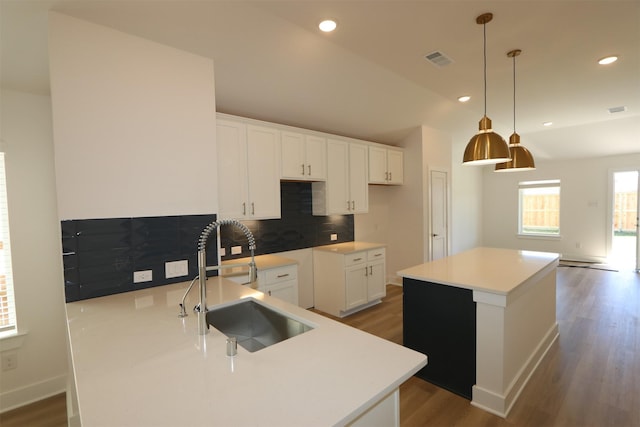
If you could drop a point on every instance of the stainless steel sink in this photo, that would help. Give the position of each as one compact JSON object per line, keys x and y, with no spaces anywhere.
{"x":254,"y":325}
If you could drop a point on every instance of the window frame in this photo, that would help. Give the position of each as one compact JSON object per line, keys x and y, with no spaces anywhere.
{"x":549,"y":184}
{"x":8,"y":317}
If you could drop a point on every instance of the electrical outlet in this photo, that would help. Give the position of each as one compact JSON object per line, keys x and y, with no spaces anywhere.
{"x":142,"y":276}
{"x":9,"y":360}
{"x":235,"y":250}
{"x":223,"y":252}
{"x":176,"y":268}
{"x":334,"y":237}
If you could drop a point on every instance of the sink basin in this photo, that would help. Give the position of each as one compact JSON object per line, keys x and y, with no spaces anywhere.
{"x":254,"y":325}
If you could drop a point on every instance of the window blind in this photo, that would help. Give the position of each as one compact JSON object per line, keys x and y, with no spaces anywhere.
{"x":7,"y":300}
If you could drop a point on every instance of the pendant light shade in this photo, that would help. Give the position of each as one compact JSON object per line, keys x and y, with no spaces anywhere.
{"x":521,"y":158}
{"x":486,"y":147}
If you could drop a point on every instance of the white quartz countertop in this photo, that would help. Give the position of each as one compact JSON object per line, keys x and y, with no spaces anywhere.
{"x":263,"y":262}
{"x":137,"y":364}
{"x":492,"y":270}
{"x":349,"y":247}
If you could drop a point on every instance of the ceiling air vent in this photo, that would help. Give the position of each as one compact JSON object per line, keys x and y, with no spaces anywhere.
{"x":614,"y":110}
{"x":438,"y":59}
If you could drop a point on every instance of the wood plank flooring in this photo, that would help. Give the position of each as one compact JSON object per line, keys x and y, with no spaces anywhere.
{"x":589,"y":378}
{"x":50,"y":412}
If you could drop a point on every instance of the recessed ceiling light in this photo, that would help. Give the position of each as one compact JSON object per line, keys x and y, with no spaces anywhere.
{"x":327,"y":25}
{"x":464,"y":98}
{"x":547,"y":124}
{"x":607,"y":60}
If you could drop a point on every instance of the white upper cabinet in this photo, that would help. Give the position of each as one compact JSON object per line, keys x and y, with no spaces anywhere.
{"x":386,"y":165}
{"x":345,"y":191}
{"x":248,"y":171}
{"x":304,"y":157}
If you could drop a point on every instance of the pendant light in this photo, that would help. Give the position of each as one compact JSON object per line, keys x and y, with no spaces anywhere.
{"x":521,"y":158}
{"x":486,"y":147}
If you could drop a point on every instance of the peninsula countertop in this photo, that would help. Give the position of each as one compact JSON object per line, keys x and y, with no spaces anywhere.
{"x":137,"y":364}
{"x":491,"y":270}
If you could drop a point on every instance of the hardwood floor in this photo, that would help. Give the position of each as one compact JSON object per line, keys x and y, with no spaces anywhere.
{"x":590,"y":377}
{"x":50,"y":412}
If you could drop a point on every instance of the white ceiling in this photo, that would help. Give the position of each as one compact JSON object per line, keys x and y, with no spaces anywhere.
{"x":369,"y":78}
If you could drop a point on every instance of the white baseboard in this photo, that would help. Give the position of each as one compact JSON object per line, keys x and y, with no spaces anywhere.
{"x":31,"y":393}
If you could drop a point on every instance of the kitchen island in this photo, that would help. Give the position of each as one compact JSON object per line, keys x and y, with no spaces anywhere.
{"x":486,"y":317}
{"x":135,"y":363}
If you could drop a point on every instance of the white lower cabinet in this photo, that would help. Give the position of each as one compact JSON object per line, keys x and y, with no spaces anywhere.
{"x":346,"y":283}
{"x":280,"y":282}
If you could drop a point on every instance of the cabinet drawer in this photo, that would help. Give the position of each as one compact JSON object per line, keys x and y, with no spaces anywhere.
{"x":280,"y":274}
{"x":375,"y":254}
{"x":355,"y":259}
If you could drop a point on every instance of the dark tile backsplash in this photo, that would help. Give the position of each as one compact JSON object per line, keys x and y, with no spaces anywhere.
{"x":100,"y":255}
{"x":297,"y":229}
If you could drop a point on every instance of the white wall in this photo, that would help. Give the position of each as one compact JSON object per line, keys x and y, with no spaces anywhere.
{"x":584,"y":206}
{"x":399,"y":215}
{"x":466,"y":202}
{"x":25,"y":128}
{"x":134,"y":124}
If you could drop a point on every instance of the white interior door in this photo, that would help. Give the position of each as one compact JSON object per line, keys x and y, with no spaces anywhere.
{"x":439,"y":214}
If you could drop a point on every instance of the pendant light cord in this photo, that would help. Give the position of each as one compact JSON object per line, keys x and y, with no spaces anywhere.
{"x":514,"y":93}
{"x":484,"y":40}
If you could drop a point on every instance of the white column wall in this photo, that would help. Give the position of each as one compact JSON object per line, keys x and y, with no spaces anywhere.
{"x":134,"y":124}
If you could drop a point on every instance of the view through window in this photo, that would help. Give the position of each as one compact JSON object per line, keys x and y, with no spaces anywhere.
{"x":539,"y":213}
{"x":7,"y":305}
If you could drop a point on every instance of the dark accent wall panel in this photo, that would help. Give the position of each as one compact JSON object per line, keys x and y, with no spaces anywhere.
{"x":440,"y":321}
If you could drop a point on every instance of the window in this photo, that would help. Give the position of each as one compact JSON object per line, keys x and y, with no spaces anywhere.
{"x":7,"y":304}
{"x":539,"y":208}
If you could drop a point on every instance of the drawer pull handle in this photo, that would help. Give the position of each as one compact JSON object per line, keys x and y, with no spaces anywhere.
{"x":357,"y":259}
{"x":378,"y":255}
{"x":309,"y":167}
{"x":282,"y":275}
{"x":302,"y":168}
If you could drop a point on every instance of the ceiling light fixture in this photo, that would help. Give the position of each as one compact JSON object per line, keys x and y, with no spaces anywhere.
{"x":327,"y":25}
{"x":486,"y":147}
{"x":608,"y":60}
{"x":521,"y":158}
{"x":464,"y":98}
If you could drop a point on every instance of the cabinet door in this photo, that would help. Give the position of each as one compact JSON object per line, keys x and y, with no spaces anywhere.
{"x":316,"y":158}
{"x":286,"y":291}
{"x":355,"y":286}
{"x":358,"y":178}
{"x":395,"y":167}
{"x":232,"y":169}
{"x":293,"y":155}
{"x":263,"y":152}
{"x":337,"y":186}
{"x":376,"y":286}
{"x":378,"y":173}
